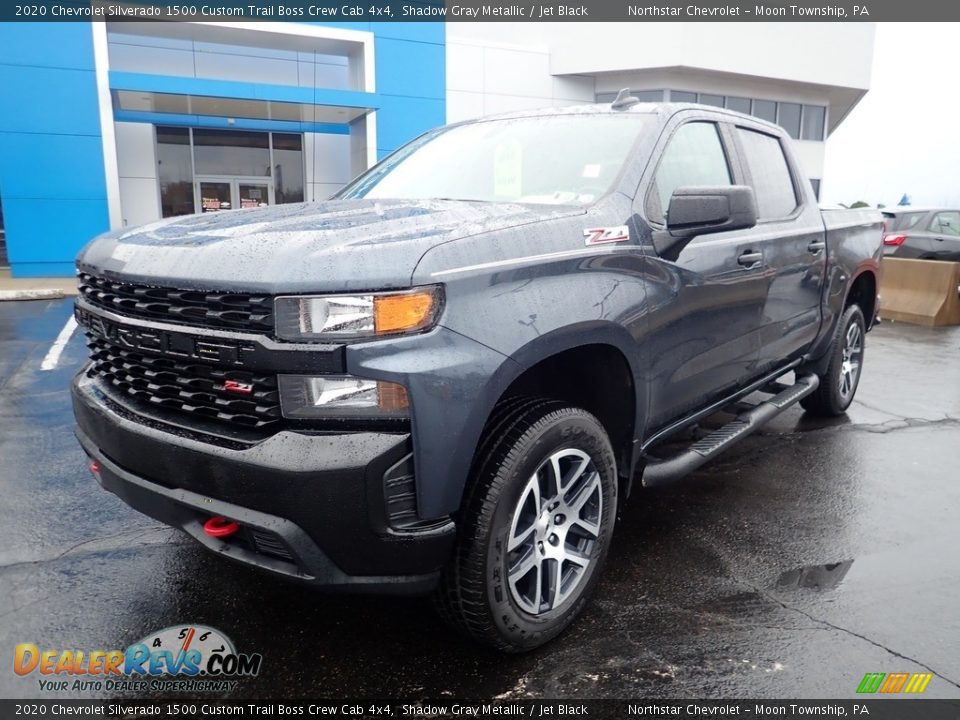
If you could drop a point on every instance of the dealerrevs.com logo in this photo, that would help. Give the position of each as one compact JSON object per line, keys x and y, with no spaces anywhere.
{"x":184,"y":657}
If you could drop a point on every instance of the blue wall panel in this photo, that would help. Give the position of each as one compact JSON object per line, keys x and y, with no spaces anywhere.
{"x":62,"y":46}
{"x":427,"y":32}
{"x":51,"y":159}
{"x":48,"y":222}
{"x":411,"y":81}
{"x":414,"y":69}
{"x":400,"y":119}
{"x":58,"y":167}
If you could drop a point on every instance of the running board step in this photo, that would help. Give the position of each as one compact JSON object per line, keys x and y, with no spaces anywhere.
{"x":663,"y":472}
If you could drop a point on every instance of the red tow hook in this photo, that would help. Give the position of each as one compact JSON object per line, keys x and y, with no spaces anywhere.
{"x":94,"y":467}
{"x":220,"y":527}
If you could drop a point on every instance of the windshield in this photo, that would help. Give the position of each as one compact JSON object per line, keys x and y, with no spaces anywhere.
{"x":559,"y":159}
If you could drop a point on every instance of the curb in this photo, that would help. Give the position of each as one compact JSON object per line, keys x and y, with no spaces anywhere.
{"x":50,"y":294}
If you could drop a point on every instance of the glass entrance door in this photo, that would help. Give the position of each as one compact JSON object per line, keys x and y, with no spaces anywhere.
{"x":215,"y":194}
{"x":253,"y":194}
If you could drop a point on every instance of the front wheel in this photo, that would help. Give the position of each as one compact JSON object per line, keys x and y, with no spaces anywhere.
{"x":839,"y":383}
{"x":535,"y":528}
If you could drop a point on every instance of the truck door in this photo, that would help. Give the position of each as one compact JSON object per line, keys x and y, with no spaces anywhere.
{"x":792,"y":238}
{"x":704,"y":304}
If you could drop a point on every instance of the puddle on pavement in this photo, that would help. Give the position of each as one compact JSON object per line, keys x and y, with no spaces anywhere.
{"x":815,"y":577}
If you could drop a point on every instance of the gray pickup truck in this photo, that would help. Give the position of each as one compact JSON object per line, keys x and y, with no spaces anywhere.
{"x":451,"y":376}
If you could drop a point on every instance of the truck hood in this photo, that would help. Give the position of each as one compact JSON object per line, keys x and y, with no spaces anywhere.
{"x":337,"y":245}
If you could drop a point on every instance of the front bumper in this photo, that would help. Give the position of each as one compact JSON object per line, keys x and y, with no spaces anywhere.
{"x":311,"y":507}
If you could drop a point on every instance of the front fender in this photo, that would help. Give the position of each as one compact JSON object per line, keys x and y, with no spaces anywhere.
{"x":453,"y":383}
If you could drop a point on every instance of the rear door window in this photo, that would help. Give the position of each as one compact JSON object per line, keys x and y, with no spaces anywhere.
{"x":903,"y":221}
{"x":946,"y":223}
{"x":694,"y":156}
{"x":769,"y":174}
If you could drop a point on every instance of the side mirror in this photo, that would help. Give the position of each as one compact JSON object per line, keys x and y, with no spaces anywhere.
{"x":699,"y":210}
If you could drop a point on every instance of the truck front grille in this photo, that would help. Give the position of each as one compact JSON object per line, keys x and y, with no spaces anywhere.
{"x":190,"y":387}
{"x":236,"y":311}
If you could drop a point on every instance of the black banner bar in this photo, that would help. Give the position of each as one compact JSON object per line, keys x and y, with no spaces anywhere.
{"x":873,"y":708}
{"x":482,"y":11}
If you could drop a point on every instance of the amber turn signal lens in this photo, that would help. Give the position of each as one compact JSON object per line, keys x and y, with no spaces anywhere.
{"x":403,"y":312}
{"x":392,"y":397}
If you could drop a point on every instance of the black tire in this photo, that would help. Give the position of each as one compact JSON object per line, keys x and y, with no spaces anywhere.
{"x":832,"y":398}
{"x":475,"y":595}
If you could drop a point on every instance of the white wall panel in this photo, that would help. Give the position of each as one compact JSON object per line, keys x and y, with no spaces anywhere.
{"x":139,"y":202}
{"x":322,"y":191}
{"x":464,"y":105}
{"x":327,"y":158}
{"x":464,"y":67}
{"x":810,"y":155}
{"x":510,"y":72}
{"x":574,"y":87}
{"x":136,"y":154}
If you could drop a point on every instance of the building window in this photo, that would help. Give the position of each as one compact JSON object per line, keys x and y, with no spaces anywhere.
{"x":231,"y":152}
{"x":765,"y":110}
{"x":232,"y":167}
{"x":641,"y":95}
{"x":4,"y":262}
{"x":683,"y":96}
{"x":788,"y":117}
{"x":185,"y":53}
{"x":288,"y":167}
{"x":738,"y":104}
{"x":802,"y":122}
{"x":814,"y":117}
{"x":175,"y":171}
{"x":715,"y":100}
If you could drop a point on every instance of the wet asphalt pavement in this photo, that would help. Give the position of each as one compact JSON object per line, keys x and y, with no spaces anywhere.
{"x":810,"y":554}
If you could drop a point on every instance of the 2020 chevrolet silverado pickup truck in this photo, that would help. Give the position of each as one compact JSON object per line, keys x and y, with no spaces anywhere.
{"x":447,"y":377}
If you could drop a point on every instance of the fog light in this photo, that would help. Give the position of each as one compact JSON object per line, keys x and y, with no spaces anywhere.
{"x":309,"y":396}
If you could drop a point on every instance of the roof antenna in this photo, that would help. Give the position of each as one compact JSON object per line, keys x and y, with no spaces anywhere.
{"x":624,"y":100}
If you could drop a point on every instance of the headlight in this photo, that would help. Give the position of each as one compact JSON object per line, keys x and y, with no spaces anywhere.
{"x":308,"y":396}
{"x":338,"y":317}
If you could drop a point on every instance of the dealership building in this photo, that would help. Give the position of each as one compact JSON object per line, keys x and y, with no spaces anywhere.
{"x":109,"y":125}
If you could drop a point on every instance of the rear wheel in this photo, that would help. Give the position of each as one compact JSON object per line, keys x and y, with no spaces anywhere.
{"x":839,"y":383}
{"x":535,"y":528}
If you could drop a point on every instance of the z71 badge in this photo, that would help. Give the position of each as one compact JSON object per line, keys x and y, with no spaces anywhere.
{"x":601,"y":236}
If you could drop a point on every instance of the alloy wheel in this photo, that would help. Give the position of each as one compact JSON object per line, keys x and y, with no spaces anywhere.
{"x":554,"y":527}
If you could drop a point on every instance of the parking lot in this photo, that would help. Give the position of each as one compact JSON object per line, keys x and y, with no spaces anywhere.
{"x":809,"y":555}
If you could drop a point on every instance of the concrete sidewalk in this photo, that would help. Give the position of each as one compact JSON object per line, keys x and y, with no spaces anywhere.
{"x":12,"y":288}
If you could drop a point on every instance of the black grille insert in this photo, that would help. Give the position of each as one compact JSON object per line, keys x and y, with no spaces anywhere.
{"x":194,"y":388}
{"x":269,"y":543}
{"x":236,"y":311}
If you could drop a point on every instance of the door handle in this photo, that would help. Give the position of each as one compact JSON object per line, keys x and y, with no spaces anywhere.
{"x":939,"y":239}
{"x":816,"y":246}
{"x":750,"y":258}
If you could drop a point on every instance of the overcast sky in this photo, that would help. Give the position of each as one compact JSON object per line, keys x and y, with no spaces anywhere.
{"x":904,"y":136}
